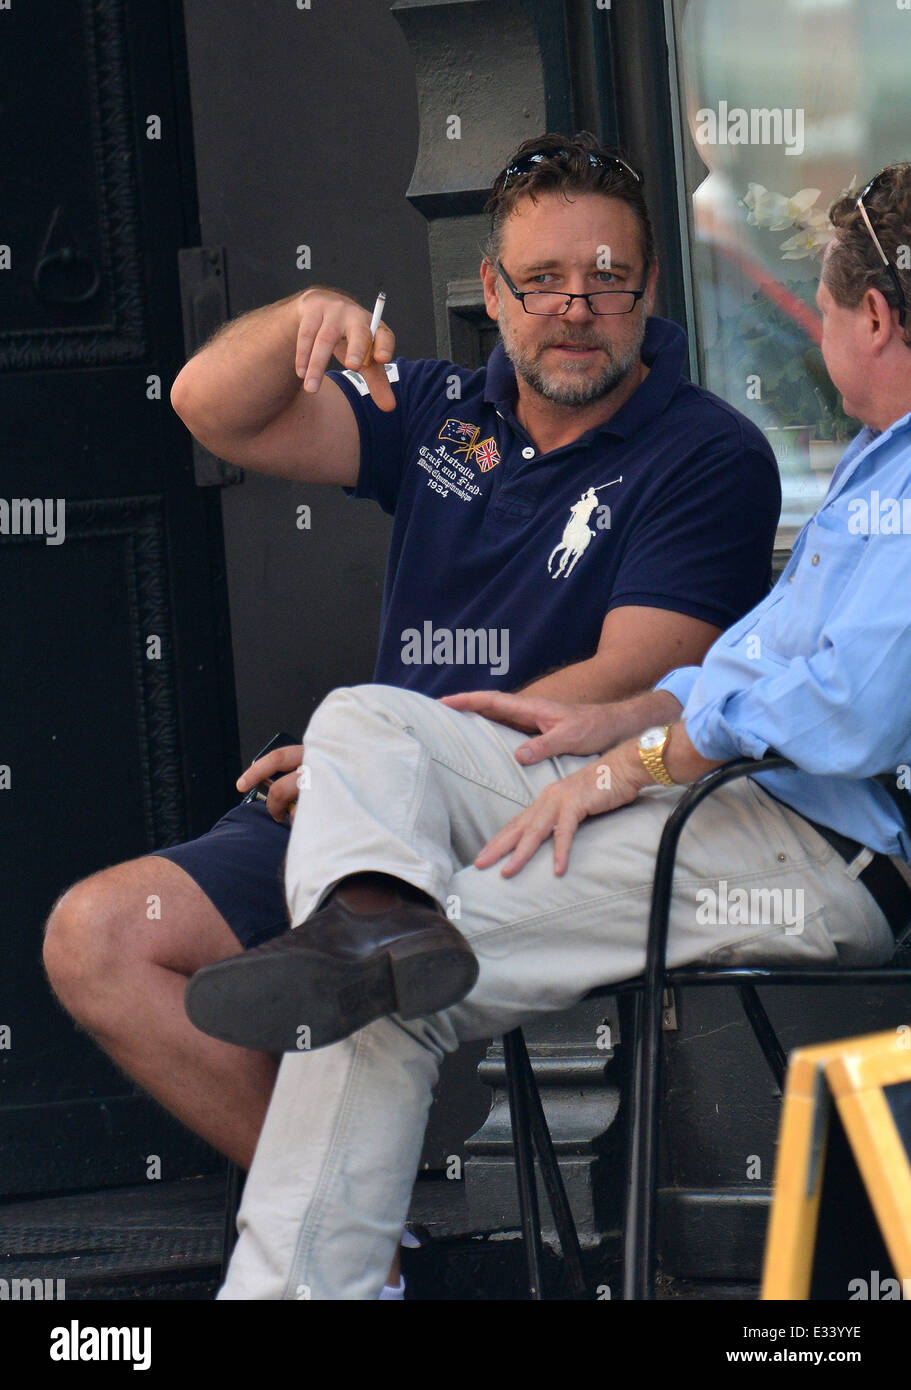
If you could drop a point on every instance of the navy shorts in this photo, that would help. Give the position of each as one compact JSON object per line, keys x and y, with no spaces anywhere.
{"x":240,"y":865}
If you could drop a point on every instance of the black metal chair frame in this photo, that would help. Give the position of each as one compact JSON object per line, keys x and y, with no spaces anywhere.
{"x":531,"y":1137}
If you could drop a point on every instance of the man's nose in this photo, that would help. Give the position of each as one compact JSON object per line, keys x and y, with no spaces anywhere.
{"x":579,"y":311}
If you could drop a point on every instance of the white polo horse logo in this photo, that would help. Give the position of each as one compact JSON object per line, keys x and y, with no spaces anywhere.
{"x":577,"y":534}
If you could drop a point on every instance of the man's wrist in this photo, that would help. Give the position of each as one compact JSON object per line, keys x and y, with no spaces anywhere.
{"x":644,"y":711}
{"x":683,"y":761}
{"x":629,"y":767}
{"x":313,"y":290}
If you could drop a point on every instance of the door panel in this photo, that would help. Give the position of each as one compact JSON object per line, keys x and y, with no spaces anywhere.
{"x":117,"y":715}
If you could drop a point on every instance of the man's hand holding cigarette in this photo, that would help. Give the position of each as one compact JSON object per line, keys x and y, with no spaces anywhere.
{"x":331,"y":324}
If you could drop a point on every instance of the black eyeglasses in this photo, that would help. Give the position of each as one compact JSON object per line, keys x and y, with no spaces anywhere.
{"x":552,"y":302}
{"x":534,"y":157}
{"x":893,"y":273}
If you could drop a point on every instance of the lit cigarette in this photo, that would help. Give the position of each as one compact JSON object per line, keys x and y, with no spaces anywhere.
{"x":374,"y":325}
{"x":378,"y":312}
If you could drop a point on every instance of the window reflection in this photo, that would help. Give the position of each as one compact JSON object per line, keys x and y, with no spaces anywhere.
{"x":785,"y":104}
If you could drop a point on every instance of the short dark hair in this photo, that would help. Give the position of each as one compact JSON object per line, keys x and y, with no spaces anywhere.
{"x":854,"y":265}
{"x":566,"y":166}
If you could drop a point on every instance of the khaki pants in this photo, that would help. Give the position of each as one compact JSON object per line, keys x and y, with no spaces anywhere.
{"x":401,"y":784}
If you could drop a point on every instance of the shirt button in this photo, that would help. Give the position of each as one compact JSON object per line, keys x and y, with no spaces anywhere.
{"x":790,"y":579}
{"x":815,"y":560}
{"x":528,"y":452}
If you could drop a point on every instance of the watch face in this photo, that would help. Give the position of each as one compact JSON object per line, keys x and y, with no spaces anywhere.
{"x":652,"y":738}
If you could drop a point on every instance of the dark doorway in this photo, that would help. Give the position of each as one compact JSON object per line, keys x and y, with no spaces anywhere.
{"x":137,"y":129}
{"x":118,"y":724}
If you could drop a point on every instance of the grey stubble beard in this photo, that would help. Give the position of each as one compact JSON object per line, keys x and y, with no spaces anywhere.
{"x":528,"y":365}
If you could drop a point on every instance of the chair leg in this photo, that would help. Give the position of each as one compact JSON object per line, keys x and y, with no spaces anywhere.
{"x":642,"y":1174}
{"x":634,"y":1258}
{"x":550,"y":1172}
{"x":234,"y":1186}
{"x":765,"y":1034}
{"x":519,"y":1111}
{"x":642,"y":1143}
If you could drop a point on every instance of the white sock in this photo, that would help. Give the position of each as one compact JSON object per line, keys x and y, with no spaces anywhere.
{"x":394,"y":1292}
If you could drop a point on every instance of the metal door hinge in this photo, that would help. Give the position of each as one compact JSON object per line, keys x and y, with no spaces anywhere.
{"x":204,"y":305}
{"x":668,"y":1011}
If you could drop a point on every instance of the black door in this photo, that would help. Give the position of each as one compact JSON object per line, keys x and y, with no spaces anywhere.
{"x":117,"y":716}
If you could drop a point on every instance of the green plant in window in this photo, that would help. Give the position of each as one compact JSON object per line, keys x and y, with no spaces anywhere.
{"x":763,"y":341}
{"x":766,"y":340}
{"x":832,"y":423}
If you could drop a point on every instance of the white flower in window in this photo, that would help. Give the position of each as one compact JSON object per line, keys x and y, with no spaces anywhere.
{"x":809,"y":241}
{"x":775,"y":211}
{"x":765,"y":207}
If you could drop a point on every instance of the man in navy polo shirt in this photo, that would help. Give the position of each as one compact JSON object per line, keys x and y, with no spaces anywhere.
{"x":576,"y":519}
{"x":534,"y":547}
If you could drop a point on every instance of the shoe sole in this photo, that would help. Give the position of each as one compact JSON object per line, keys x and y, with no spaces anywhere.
{"x":303,"y":999}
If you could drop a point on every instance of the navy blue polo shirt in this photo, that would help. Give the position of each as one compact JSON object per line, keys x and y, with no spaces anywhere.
{"x":504,"y":561}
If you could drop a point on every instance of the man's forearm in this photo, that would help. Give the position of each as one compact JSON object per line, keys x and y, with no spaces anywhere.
{"x":644,"y":710}
{"x":584,"y":683}
{"x":244,"y":376}
{"x":683,"y":761}
{"x":628,"y":718}
{"x":631,"y":708}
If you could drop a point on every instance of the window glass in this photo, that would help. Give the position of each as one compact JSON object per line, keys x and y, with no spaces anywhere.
{"x":784,"y":105}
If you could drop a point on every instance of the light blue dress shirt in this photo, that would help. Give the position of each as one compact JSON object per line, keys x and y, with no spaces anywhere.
{"x":820,"y":670}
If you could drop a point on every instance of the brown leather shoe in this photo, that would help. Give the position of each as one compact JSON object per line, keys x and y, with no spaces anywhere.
{"x":335,"y":973}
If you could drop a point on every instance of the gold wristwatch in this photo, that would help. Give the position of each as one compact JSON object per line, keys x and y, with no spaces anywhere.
{"x":651,"y":747}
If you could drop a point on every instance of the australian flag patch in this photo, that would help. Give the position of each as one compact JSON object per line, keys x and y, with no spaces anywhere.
{"x":461,"y":434}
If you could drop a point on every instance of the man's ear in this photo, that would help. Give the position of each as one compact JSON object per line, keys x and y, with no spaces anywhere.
{"x":489,"y":283}
{"x":878,"y":319}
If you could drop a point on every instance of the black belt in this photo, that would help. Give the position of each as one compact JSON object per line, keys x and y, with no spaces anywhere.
{"x":880,"y":878}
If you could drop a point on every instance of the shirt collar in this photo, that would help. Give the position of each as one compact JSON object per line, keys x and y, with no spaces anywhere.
{"x":858,"y":444}
{"x":664,"y":352}
{"x":861,"y":445}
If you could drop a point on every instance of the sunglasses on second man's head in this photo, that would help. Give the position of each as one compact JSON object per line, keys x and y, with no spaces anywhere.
{"x":893,"y":273}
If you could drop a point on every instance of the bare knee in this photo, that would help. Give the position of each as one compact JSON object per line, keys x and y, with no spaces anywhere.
{"x":82,"y":938}
{"x":130,"y":921}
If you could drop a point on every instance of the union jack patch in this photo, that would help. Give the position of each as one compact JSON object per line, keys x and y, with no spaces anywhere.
{"x":487,"y":454}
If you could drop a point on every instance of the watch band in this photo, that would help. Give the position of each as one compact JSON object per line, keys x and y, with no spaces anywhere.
{"x":654,"y":762}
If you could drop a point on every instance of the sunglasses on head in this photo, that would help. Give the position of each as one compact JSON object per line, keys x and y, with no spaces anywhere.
{"x":893,"y":273}
{"x":533,"y":158}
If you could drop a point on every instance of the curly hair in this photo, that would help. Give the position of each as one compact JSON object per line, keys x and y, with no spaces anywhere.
{"x":854,"y":265}
{"x":568,"y":169}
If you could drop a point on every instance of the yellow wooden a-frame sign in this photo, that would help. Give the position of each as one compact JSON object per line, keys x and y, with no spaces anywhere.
{"x":856,"y":1072}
